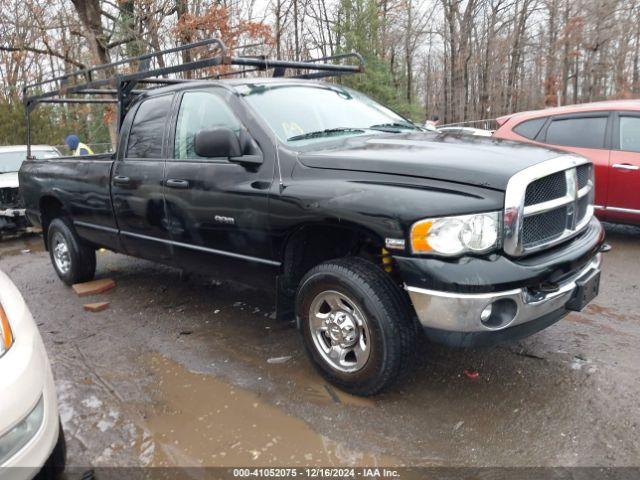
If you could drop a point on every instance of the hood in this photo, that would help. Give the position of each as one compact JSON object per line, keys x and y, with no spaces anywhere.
{"x":480,"y":161}
{"x":9,"y":180}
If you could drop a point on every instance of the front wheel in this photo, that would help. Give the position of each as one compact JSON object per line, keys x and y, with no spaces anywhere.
{"x":355,"y":324}
{"x":73,"y":260}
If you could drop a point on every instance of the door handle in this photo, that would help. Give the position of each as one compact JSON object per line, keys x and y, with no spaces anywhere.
{"x":120,"y":180}
{"x":176,"y":183}
{"x":625,"y":166}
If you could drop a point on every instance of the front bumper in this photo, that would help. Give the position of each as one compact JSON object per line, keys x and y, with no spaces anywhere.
{"x":12,"y":219}
{"x":461,"y":312}
{"x":12,"y":212}
{"x":525,"y":295}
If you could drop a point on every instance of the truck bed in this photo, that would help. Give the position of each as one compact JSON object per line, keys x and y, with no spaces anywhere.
{"x":81,"y":183}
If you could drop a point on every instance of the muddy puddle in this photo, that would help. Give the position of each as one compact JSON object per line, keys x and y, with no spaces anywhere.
{"x":197,"y":419}
{"x":22,"y":245}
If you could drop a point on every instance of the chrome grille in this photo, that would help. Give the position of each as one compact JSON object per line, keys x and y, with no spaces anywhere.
{"x":547,"y":203}
{"x":584,"y":175}
{"x":547,"y":188}
{"x":545,"y":227}
{"x":9,"y":197}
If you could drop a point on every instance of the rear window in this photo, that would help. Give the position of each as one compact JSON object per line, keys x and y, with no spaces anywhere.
{"x":630,"y":134}
{"x":530,"y":128}
{"x":147,"y":132}
{"x":585,"y":132}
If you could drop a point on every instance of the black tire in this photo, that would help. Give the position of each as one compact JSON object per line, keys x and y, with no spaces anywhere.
{"x":81,"y":257}
{"x":55,"y":465}
{"x":391,"y":328}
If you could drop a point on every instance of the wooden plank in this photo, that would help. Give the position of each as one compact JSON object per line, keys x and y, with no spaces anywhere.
{"x":96,"y":307}
{"x":94,"y":287}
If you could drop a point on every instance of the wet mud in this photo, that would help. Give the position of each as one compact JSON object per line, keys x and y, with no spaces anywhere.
{"x":177,"y":372}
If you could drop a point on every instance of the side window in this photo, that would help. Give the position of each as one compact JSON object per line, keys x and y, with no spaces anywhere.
{"x":630,"y":134}
{"x":530,"y":128}
{"x":200,"y":110}
{"x":584,"y":132}
{"x":147,"y":131}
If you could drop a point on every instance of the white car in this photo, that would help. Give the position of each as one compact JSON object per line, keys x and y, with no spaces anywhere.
{"x":12,"y":216}
{"x":30,"y":432}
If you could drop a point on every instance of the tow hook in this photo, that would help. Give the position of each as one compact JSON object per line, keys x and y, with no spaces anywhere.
{"x":606,"y":247}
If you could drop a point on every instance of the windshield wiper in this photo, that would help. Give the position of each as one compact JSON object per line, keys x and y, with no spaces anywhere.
{"x":393,"y":127}
{"x":324,"y":133}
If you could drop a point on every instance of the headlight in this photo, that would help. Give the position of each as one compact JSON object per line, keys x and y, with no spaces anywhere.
{"x":6,"y":336}
{"x":12,"y":441}
{"x":449,"y":236}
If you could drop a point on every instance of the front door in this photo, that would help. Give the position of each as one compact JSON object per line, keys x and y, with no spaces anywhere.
{"x":137,"y":183}
{"x":217,"y":209}
{"x":623,"y":201}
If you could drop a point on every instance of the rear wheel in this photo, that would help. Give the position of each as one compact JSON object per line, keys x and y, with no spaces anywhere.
{"x":73,"y":260}
{"x":356,"y":325}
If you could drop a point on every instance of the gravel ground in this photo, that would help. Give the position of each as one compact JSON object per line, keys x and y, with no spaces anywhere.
{"x":176,"y":372}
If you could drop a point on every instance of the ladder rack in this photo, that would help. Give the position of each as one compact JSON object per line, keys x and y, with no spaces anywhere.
{"x":152,"y":70}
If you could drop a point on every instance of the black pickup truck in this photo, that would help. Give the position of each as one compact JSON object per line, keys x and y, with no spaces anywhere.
{"x":372,"y":229}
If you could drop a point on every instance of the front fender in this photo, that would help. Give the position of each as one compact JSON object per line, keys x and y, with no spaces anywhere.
{"x":386,"y":205}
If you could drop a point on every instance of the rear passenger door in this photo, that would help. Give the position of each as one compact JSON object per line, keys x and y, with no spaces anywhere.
{"x":587,"y":134}
{"x":623,"y":202}
{"x":137,"y":181}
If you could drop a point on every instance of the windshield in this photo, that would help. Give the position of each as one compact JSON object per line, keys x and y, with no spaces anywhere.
{"x":11,"y":161}
{"x":301,"y":114}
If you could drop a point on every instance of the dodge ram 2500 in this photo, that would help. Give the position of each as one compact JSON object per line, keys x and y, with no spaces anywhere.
{"x":373,"y":229}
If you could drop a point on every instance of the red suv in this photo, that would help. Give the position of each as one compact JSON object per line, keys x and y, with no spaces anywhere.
{"x":608,"y":133}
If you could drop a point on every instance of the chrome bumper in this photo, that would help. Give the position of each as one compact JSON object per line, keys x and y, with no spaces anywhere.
{"x":461,"y":312}
{"x":12,"y":212}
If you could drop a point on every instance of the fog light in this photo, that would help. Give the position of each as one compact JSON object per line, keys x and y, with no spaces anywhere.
{"x":486,"y":313}
{"x":499,"y":313}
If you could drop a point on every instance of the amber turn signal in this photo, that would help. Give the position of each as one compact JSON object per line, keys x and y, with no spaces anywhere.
{"x":6,"y":336}
{"x":419,"y":234}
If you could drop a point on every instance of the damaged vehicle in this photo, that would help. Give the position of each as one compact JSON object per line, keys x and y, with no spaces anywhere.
{"x":372,"y":229}
{"x":12,"y":215}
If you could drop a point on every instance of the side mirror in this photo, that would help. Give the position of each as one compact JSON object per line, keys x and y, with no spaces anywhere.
{"x":217,"y":142}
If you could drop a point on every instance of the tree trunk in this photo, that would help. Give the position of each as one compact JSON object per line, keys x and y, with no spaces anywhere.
{"x":90,"y":15}
{"x":182,"y":9}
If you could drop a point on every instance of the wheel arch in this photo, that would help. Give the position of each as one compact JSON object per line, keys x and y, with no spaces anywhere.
{"x":312,"y":243}
{"x":50,"y":207}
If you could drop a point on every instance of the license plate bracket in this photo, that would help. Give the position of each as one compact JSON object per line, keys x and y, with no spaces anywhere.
{"x":587,"y":288}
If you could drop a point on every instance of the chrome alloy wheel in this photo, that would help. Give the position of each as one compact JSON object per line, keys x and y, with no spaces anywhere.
{"x":340,"y":332}
{"x":61,"y":253}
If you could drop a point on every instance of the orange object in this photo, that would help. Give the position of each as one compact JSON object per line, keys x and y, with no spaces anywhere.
{"x":94,"y":287}
{"x":96,"y":307}
{"x":7,"y":336}
{"x":419,"y":234}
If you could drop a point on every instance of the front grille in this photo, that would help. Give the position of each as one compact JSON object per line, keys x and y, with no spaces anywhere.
{"x":547,"y":188}
{"x":10,"y":197}
{"x":583,"y":206}
{"x":543,"y":228}
{"x":584,"y":175}
{"x":547,"y":204}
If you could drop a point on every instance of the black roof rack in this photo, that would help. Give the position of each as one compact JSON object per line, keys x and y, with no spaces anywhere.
{"x":152,"y":70}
